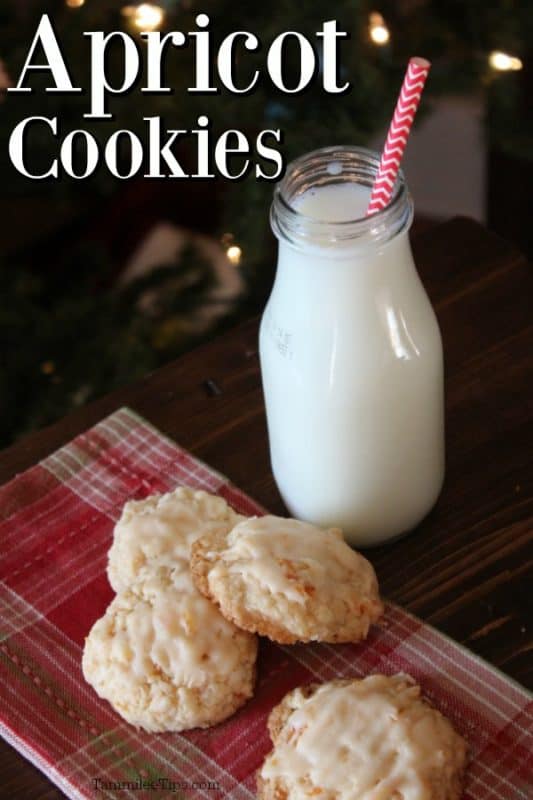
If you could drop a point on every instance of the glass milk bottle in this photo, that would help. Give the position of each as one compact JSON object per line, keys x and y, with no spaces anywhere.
{"x":351,"y":354}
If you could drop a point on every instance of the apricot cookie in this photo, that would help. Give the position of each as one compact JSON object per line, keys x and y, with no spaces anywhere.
{"x":361,"y":740}
{"x":166,"y":659}
{"x":287,"y":580}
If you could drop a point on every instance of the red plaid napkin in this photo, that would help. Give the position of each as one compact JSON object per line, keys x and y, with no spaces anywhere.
{"x":57,"y":521}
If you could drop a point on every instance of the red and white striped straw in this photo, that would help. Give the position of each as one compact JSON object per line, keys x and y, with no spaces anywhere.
{"x":400,"y":127}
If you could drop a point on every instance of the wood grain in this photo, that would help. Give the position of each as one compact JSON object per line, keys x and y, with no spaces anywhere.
{"x":467,"y":568}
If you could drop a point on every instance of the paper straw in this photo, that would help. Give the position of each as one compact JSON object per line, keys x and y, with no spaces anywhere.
{"x":400,"y":127}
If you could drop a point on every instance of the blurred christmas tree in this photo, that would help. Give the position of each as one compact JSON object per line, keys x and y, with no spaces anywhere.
{"x":65,"y":337}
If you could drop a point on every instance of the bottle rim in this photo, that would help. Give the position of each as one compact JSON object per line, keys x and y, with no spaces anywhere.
{"x":333,"y":165}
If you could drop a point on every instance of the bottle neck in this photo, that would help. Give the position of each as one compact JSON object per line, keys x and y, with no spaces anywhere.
{"x":363,"y":270}
{"x":333,"y":169}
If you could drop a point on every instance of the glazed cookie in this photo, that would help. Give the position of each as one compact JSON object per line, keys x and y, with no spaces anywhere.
{"x":370,"y":739}
{"x":167,"y":660}
{"x":288,"y":580}
{"x":158,"y":531}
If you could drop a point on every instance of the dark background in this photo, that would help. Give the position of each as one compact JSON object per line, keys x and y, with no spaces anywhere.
{"x":77,"y":319}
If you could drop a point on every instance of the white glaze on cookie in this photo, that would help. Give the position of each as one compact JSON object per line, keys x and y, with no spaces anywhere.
{"x":166,"y":659}
{"x":158,"y":532}
{"x":288,"y":580}
{"x":258,"y":547}
{"x":371,"y":739}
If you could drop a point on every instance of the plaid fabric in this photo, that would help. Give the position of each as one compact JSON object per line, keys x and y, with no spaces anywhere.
{"x":56,"y":522}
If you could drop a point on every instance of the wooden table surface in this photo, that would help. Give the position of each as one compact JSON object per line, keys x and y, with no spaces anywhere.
{"x":467,"y":567}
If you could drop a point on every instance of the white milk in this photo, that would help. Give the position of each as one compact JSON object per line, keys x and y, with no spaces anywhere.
{"x":351,"y":362}
{"x":334,"y":203}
